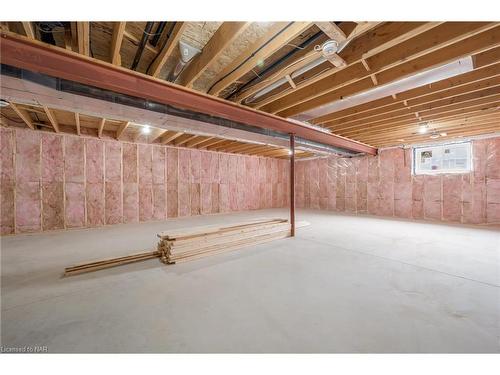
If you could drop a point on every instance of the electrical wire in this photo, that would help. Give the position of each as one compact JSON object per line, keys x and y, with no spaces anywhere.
{"x":251,"y":56}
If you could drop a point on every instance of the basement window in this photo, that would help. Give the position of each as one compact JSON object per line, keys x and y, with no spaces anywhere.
{"x":445,"y":158}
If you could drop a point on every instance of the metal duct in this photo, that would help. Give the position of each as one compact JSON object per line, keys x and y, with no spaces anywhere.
{"x":187,"y":53}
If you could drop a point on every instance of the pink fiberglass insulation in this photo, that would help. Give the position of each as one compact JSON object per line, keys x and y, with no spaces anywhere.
{"x":94,"y":172}
{"x":130,"y":183}
{"x":184,"y":166}
{"x":159,"y":186}
{"x":74,"y":176}
{"x":52,"y":182}
{"x":195,"y":199}
{"x":113,"y":183}
{"x":172,"y":161}
{"x":384,"y":185}
{"x":172,"y":200}
{"x":145,"y":168}
{"x":28,"y":187}
{"x":55,"y":181}
{"x":206,"y":198}
{"x":7,"y":184}
{"x":184,"y":196}
{"x":224,"y":197}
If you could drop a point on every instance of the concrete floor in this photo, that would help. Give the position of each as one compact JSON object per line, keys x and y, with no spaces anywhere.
{"x":344,"y":284}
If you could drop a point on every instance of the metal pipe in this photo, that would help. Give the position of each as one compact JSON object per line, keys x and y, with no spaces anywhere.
{"x":142,"y":44}
{"x":292,"y":184}
{"x":158,"y":32}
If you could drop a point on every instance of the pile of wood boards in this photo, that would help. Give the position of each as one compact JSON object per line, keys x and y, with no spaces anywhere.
{"x":181,"y":246}
{"x":187,"y":244}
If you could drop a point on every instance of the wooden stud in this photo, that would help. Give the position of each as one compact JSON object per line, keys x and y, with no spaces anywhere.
{"x":24,"y":115}
{"x":223,"y":37}
{"x":28,"y":29}
{"x":101,"y":127}
{"x":169,"y":138}
{"x":83,"y":36}
{"x":77,"y":123}
{"x":52,"y":119}
{"x":167,"y":50}
{"x":332,"y":30}
{"x":278,"y":35}
{"x":116,"y":42}
{"x":121,"y":129}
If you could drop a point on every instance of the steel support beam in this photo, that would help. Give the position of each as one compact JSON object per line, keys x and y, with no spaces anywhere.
{"x":32,"y":55}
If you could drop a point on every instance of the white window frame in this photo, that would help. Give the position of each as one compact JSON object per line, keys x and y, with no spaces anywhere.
{"x":418,"y":171}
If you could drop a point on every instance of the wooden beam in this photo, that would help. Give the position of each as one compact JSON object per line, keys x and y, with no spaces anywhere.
{"x":332,"y":30}
{"x":453,"y":85}
{"x":83,"y":35}
{"x":185,"y":138}
{"x":278,"y":35}
{"x":52,"y":119}
{"x":28,"y":29}
{"x":158,"y":136}
{"x":101,"y":127}
{"x":116,"y":42}
{"x":167,"y":50}
{"x":224,"y":143}
{"x":383,"y":38}
{"x":170,"y":137}
{"x":121,"y":129}
{"x":302,"y":58}
{"x":361,"y":28}
{"x":318,"y":94}
{"x":223,"y":37}
{"x":211,"y":142}
{"x":23,"y":114}
{"x":22,"y":53}
{"x":196,"y":141}
{"x":77,"y":123}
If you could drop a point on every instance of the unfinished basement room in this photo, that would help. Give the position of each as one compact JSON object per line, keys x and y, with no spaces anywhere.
{"x":250,"y":187}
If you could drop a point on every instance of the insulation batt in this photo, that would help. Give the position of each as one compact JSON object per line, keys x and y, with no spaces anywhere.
{"x":383,"y":185}
{"x":57,"y":181}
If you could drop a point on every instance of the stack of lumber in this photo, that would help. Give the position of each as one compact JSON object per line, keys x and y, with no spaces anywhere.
{"x":193,"y":243}
{"x":181,"y":246}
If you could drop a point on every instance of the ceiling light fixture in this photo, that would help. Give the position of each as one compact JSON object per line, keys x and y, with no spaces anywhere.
{"x":422,"y":129}
{"x":3,"y":103}
{"x":146,"y":129}
{"x":440,"y":73}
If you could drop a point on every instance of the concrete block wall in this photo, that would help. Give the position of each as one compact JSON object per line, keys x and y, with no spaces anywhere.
{"x":383,"y":185}
{"x":53,"y":181}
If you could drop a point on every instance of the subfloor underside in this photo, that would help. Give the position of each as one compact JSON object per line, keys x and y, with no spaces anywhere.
{"x":344,"y":284}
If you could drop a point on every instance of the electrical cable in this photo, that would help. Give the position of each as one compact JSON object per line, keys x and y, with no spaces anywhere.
{"x":251,"y":56}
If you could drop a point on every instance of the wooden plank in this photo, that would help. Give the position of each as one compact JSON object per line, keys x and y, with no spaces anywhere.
{"x":83,"y":36}
{"x":116,"y":42}
{"x":167,"y":50}
{"x":382,"y":38}
{"x":362,"y":28}
{"x":278,"y":35}
{"x":77,"y":123}
{"x":121,"y":129}
{"x":28,"y":29}
{"x":101,"y":127}
{"x":454,"y":84}
{"x":195,"y":142}
{"x":170,"y":137}
{"x":52,"y":119}
{"x":313,"y":98}
{"x":223,"y":37}
{"x":332,"y":30}
{"x":23,"y":114}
